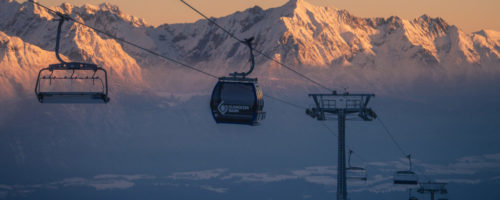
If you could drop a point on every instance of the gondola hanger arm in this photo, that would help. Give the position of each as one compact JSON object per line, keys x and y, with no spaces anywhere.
{"x":248,"y":43}
{"x":62,"y":17}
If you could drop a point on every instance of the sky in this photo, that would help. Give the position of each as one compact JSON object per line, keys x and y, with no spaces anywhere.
{"x":469,"y":15}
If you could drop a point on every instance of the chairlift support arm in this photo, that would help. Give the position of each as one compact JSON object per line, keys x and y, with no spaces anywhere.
{"x":409,"y":159}
{"x":62,"y":18}
{"x":349,"y":158}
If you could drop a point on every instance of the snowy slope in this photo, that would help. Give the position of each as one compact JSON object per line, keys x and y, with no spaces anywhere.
{"x":302,"y":33}
{"x":19,"y":65}
{"x":36,"y":26}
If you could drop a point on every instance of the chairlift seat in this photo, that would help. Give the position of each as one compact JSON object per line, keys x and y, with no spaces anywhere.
{"x":73,"y":97}
{"x":405,"y":178}
{"x":356,"y":173}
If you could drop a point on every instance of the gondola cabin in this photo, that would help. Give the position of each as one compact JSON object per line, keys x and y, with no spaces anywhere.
{"x":237,"y":100}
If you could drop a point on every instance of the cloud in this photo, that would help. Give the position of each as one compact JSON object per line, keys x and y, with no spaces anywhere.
{"x":461,"y":181}
{"x":385,"y":187}
{"x":214,"y":189}
{"x":258,"y":177}
{"x":466,"y":165}
{"x":111,"y":184}
{"x":486,"y":166}
{"x":99,"y":182}
{"x":197,"y":175}
{"x":126,"y":177}
{"x":323,"y":180}
{"x":324,"y":175}
{"x":5,"y":187}
{"x":378,"y":164}
{"x":70,"y":182}
{"x":315,"y":170}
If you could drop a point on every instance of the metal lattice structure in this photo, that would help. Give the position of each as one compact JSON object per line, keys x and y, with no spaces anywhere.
{"x":338,"y":106}
{"x":433,"y":188}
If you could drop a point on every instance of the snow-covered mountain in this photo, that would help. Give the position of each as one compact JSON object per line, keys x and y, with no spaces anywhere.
{"x":297,"y":33}
{"x":302,"y":33}
{"x":28,"y":30}
{"x":19,"y":64}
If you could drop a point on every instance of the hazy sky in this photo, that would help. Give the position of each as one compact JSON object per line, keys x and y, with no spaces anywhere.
{"x":470,"y":15}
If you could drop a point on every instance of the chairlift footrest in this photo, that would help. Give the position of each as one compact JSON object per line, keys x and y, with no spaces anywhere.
{"x":72,"y":97}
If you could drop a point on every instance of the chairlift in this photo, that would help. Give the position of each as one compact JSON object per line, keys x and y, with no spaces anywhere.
{"x":74,"y":73}
{"x":237,"y":99}
{"x":355,"y":173}
{"x":407,"y":177}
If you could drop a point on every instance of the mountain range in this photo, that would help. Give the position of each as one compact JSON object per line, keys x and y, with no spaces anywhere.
{"x":297,"y":33}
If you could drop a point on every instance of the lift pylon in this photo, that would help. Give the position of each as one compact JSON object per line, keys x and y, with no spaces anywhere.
{"x":338,"y":106}
{"x":433,"y":188}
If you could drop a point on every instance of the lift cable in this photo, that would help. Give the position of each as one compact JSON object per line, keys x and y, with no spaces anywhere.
{"x":286,"y":102}
{"x":212,"y":75}
{"x":347,"y":146}
{"x":295,"y":71}
{"x":158,"y":54}
{"x":396,"y":143}
{"x":392,"y":137}
{"x":257,"y":50}
{"x":129,"y":43}
{"x":361,"y":157}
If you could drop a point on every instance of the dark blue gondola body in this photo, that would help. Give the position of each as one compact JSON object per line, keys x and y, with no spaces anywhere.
{"x":237,"y":101}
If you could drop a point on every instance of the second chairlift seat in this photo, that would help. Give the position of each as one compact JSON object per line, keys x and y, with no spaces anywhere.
{"x":355,"y":173}
{"x":237,"y":99}
{"x":406,"y":177}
